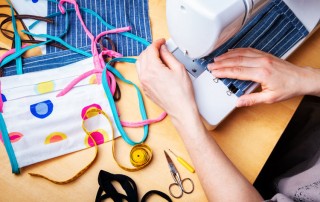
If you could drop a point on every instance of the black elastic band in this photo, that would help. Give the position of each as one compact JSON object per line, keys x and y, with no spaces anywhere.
{"x":117,"y":93}
{"x":20,"y":18}
{"x":152,"y":192}
{"x":105,"y":181}
{"x":107,"y":190}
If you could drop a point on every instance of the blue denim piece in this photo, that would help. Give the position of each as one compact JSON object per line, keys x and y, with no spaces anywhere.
{"x":275,"y":29}
{"x":122,"y":13}
{"x":48,"y":61}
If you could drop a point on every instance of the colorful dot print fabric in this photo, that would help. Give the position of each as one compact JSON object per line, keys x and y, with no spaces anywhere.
{"x":41,"y":125}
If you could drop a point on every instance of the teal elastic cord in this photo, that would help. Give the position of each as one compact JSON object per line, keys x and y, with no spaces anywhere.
{"x":17,"y":40}
{"x":59,"y":40}
{"x":23,"y":50}
{"x":113,"y":105}
{"x":127,"y":34}
{"x":8,"y":146}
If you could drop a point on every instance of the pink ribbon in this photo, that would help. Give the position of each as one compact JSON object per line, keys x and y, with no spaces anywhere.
{"x":99,"y":63}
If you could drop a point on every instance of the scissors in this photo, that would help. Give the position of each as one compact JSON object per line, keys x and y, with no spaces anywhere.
{"x":178,"y":182}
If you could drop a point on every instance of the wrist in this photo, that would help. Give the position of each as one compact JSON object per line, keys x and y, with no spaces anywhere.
{"x":311,"y":85}
{"x":189,"y":123}
{"x":185,"y":115}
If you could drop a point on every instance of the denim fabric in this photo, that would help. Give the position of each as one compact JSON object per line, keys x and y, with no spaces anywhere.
{"x":122,"y":13}
{"x":48,"y":61}
{"x":275,"y":29}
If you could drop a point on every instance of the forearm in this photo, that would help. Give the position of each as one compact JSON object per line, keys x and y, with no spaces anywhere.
{"x":220,"y":179}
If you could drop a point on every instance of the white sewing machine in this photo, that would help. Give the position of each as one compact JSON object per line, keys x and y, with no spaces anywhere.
{"x":198,"y":27}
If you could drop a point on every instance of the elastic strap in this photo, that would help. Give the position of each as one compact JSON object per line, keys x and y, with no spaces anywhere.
{"x":155,"y":192}
{"x":9,"y":52}
{"x":8,"y":146}
{"x":17,"y":40}
{"x":113,"y":105}
{"x":143,"y":113}
{"x":31,"y":39}
{"x":23,"y":50}
{"x":5,"y":15}
{"x":105,"y":180}
{"x":127,"y":34}
{"x":59,"y":40}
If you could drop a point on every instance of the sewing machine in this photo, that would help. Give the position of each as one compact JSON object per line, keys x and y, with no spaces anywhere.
{"x":199,"y":27}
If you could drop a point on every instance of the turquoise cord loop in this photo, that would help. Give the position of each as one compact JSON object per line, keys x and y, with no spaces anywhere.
{"x":17,"y":40}
{"x":113,"y":105}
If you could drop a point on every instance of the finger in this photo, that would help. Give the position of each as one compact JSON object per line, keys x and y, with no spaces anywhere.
{"x":252,"y":99}
{"x":244,"y":52}
{"x":157,"y":44}
{"x":154,"y":48}
{"x":152,"y":52}
{"x":169,"y":59}
{"x":238,"y":72}
{"x":138,"y":67}
{"x":236,"y":62}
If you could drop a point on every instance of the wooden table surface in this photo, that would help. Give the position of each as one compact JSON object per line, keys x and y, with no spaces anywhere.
{"x":247,"y":137}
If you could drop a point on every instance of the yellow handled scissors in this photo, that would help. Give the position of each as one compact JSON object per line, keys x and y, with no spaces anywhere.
{"x":178,"y":182}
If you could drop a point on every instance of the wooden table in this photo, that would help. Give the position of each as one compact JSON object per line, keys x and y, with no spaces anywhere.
{"x":247,"y":136}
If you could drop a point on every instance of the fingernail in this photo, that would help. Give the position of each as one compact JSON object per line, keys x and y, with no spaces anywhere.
{"x":216,"y":58}
{"x":215,"y":73}
{"x":239,"y":103}
{"x":210,"y":66}
{"x":164,"y":48}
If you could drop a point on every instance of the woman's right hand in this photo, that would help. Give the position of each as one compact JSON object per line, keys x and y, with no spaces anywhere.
{"x":279,"y":79}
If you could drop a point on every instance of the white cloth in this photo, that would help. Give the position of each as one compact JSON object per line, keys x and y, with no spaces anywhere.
{"x":42,"y":126}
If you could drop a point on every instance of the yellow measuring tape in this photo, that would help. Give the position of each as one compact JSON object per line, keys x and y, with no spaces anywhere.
{"x":140,"y":155}
{"x":82,"y":171}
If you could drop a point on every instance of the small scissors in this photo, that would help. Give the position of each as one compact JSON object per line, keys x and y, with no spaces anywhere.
{"x":176,"y":177}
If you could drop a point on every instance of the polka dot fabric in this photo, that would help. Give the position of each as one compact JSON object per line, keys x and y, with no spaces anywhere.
{"x":41,"y":125}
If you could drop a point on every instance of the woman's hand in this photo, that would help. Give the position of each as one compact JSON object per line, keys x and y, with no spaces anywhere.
{"x":279,"y":79}
{"x":167,"y":83}
{"x":165,"y":80}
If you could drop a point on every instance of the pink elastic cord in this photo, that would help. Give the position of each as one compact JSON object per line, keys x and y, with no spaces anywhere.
{"x":10,"y":52}
{"x":99,"y":63}
{"x":113,"y":31}
{"x":110,"y":53}
{"x":77,"y":80}
{"x":97,"y":58}
{"x":142,"y":123}
{"x":112,"y":81}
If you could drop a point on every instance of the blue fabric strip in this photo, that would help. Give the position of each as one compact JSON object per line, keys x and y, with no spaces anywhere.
{"x":48,"y":61}
{"x":275,"y":29}
{"x":123,"y":13}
